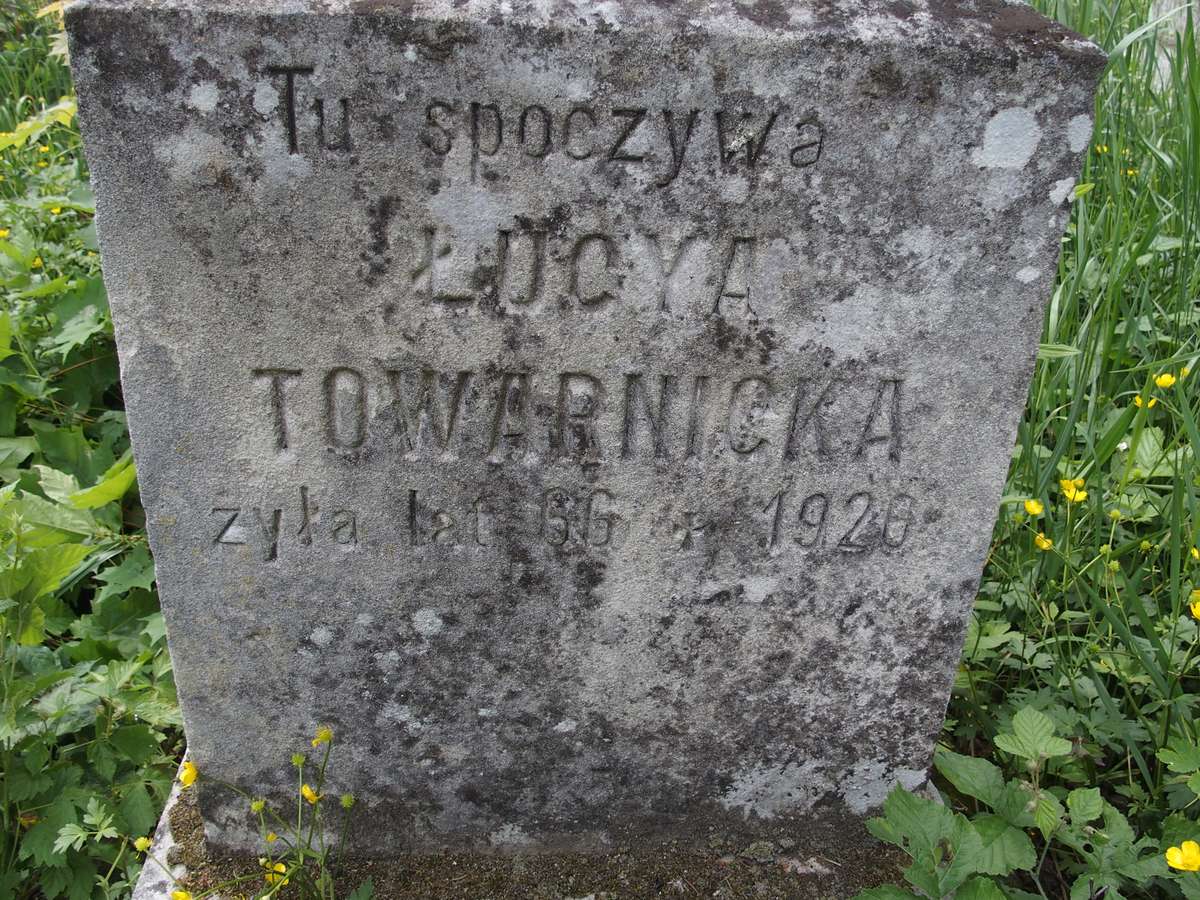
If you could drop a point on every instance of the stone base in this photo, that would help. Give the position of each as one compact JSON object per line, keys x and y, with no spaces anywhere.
{"x":728,"y":869}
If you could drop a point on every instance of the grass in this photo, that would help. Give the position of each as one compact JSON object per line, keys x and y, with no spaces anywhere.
{"x":1097,"y":631}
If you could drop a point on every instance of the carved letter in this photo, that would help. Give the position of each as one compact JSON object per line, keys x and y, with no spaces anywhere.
{"x":522,"y":131}
{"x":667,"y":270}
{"x":289,"y":100}
{"x":343,"y":144}
{"x":424,"y":416}
{"x":748,"y":402}
{"x":510,"y":421}
{"x":735,"y":278}
{"x":270,"y":532}
{"x":577,"y":254}
{"x":743,"y":137}
{"x":537,"y":262}
{"x":812,"y":139}
{"x":893,"y":437}
{"x":637,"y":406}
{"x":617,"y":154}
{"x":345,"y":408}
{"x":584,"y":112}
{"x":276,"y":400}
{"x":579,"y":399}
{"x":441,"y":142}
{"x":477,"y":148}
{"x":679,"y":145}
{"x":806,"y":416}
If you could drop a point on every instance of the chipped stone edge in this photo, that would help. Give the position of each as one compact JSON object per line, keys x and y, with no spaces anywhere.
{"x":154,"y":883}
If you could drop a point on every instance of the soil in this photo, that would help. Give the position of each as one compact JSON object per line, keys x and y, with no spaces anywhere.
{"x":759,"y":870}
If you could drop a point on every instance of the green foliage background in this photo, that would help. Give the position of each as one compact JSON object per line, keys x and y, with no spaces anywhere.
{"x":1071,"y":755}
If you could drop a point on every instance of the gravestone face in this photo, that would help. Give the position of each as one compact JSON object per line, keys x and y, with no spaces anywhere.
{"x":596,"y":412}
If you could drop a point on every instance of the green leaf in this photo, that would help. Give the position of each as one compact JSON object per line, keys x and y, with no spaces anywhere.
{"x":115,"y":482}
{"x":1084,"y":805}
{"x":366,"y":891}
{"x":979,"y":888}
{"x":1180,"y":756}
{"x":1005,"y":849}
{"x":61,"y":113}
{"x":137,"y":810}
{"x":70,"y":837}
{"x":970,"y":775}
{"x":1056,"y":351}
{"x":136,"y":742}
{"x":913,"y":823}
{"x":38,"y":843}
{"x":1032,"y":737}
{"x":5,"y":335}
{"x":136,"y":570}
{"x":1047,"y":813}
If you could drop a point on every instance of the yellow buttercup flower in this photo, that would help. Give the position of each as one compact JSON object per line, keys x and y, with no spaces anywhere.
{"x":272,"y":837}
{"x":1139,"y":402}
{"x":1185,"y":857}
{"x":1164,"y":380}
{"x":1034,"y":507}
{"x":4,"y":232}
{"x":181,"y":895}
{"x":275,"y":873}
{"x":1195,"y":553}
{"x":55,"y":210}
{"x":42,"y":164}
{"x":324,"y":736}
{"x":189,"y":774}
{"x":309,"y":794}
{"x":1195,"y":604}
{"x":1043,"y":542}
{"x":37,"y":263}
{"x":142,"y":844}
{"x":1073,"y":490}
{"x":45,"y":148}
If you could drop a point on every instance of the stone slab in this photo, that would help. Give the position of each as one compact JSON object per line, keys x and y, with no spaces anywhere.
{"x":596,"y":412}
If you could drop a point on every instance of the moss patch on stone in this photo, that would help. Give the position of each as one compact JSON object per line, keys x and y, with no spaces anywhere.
{"x":760,"y":869}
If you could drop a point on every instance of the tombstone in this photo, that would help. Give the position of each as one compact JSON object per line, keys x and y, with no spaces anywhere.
{"x":595,"y":412}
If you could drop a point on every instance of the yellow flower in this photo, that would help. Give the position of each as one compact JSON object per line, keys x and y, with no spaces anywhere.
{"x":1137,"y":401}
{"x":309,"y":794}
{"x":42,"y":164}
{"x":189,"y":774}
{"x":181,"y":895}
{"x":1102,"y":148}
{"x":256,"y":805}
{"x":4,"y":232}
{"x":1185,"y":372}
{"x":1195,"y":553}
{"x":1131,"y":172}
{"x":1164,"y":380}
{"x":1034,"y":507}
{"x":1073,"y":490}
{"x":324,"y":736}
{"x":55,"y":210}
{"x":1185,"y":857}
{"x":45,"y":148}
{"x":272,"y":837}
{"x":1043,"y":542}
{"x":142,"y":844}
{"x":1195,"y":605}
{"x":274,"y":874}
{"x":37,"y":263}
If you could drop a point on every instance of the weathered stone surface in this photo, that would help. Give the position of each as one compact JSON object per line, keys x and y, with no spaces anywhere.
{"x":595,"y":411}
